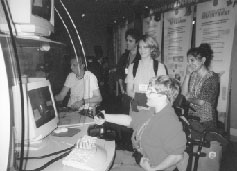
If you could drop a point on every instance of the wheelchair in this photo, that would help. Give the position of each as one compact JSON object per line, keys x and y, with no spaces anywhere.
{"x":204,"y":148}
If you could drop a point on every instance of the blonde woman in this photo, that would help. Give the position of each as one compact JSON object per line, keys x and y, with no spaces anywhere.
{"x":140,"y":72}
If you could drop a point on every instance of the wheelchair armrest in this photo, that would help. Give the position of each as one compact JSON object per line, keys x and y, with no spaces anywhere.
{"x":197,"y":142}
{"x":196,"y":118}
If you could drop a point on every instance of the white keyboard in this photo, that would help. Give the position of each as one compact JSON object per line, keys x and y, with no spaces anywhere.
{"x":86,"y":160}
{"x":79,"y":158}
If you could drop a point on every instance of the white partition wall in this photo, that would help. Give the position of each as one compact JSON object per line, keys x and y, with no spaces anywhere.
{"x":5,"y":117}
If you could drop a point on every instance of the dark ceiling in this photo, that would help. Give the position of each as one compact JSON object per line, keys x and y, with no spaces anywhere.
{"x":113,"y":9}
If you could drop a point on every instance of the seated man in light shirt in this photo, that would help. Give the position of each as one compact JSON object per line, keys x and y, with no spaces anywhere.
{"x":82,"y":84}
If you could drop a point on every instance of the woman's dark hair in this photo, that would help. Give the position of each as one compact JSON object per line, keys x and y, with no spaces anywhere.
{"x":204,"y":50}
{"x":133,"y":33}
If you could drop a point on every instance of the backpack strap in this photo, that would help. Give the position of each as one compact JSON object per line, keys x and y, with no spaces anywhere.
{"x":155,"y":66}
{"x":135,"y":66}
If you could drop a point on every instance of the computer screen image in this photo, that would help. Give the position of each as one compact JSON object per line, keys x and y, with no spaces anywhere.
{"x":42,"y":105}
{"x":40,"y":114}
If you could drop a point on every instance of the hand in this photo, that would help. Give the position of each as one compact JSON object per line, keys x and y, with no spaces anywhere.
{"x":86,"y":142}
{"x":77,"y":104}
{"x":221,"y":73}
{"x":100,"y":120}
{"x":189,"y":69}
{"x":144,"y":163}
{"x":189,"y":96}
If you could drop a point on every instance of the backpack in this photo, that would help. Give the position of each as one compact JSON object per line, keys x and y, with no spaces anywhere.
{"x":135,"y":66}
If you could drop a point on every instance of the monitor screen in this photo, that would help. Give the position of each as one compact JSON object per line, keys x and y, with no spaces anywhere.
{"x":40,"y":114}
{"x":42,"y":8}
{"x":30,"y":17}
{"x":42,"y":105}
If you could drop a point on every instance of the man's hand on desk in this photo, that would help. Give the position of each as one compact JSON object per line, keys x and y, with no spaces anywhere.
{"x":78,"y":104}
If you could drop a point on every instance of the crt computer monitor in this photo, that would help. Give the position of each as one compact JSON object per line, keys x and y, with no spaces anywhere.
{"x":40,"y":113}
{"x":30,"y":17}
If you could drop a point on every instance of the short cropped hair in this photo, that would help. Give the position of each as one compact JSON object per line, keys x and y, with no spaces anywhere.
{"x":80,"y":59}
{"x":166,"y":85}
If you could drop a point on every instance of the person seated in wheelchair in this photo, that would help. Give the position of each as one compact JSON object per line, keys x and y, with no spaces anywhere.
{"x":201,"y":87}
{"x":158,"y":138}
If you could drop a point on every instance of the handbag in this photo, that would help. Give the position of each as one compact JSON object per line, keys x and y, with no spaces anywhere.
{"x":125,"y":102}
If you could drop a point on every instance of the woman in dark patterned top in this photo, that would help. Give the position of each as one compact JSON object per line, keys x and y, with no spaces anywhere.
{"x":201,"y":86}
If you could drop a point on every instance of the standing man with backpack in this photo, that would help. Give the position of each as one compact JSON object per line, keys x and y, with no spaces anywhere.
{"x":141,"y":71}
{"x":130,"y":56}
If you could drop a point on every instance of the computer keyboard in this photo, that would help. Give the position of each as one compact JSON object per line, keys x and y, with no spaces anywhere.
{"x":79,"y":158}
{"x":86,"y":159}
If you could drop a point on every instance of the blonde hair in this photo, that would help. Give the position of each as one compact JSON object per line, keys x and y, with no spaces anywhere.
{"x":166,"y":85}
{"x":152,"y":44}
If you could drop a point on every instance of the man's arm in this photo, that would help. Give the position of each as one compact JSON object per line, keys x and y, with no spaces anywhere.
{"x":130,"y":82}
{"x":121,"y":86}
{"x":96,"y":98}
{"x":62,"y":94}
{"x":93,"y":101}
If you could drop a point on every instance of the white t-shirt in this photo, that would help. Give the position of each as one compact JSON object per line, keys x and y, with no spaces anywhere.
{"x":144,"y":73}
{"x":82,"y":88}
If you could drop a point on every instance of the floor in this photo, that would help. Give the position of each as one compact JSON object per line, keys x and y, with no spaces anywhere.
{"x":229,"y":156}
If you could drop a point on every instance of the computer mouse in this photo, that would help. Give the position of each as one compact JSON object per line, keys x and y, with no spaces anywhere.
{"x":60,"y":130}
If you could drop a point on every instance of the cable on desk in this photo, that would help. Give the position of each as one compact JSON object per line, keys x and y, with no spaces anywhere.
{"x":52,"y":154}
{"x":50,"y":162}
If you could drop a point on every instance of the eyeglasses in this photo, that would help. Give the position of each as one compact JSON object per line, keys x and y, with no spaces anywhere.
{"x":152,"y":90}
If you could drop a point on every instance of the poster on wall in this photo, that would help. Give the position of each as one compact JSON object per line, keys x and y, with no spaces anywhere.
{"x":152,"y":26}
{"x":177,"y":40}
{"x":215,"y":25}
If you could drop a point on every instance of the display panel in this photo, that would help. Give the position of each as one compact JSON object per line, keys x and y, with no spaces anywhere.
{"x":42,"y":8}
{"x":40,"y":114}
{"x":30,"y":17}
{"x":42,"y":105}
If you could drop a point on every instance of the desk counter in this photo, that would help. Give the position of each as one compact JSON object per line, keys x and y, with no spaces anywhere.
{"x":53,"y":144}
